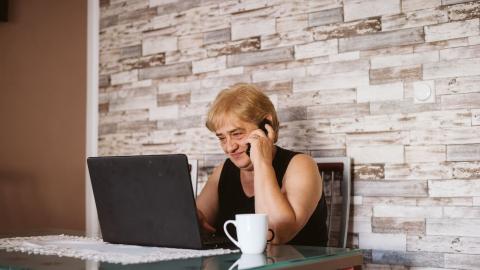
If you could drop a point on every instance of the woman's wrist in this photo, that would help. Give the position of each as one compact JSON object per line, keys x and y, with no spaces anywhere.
{"x":262,"y":165}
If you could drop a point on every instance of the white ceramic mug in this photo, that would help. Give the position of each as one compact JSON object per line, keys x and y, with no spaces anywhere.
{"x":249,"y":261}
{"x":251,"y":232}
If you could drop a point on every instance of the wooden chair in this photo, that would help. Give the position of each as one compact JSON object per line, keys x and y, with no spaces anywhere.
{"x":336,"y":175}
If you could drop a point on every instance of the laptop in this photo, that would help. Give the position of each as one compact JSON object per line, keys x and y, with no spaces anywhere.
{"x":147,"y":200}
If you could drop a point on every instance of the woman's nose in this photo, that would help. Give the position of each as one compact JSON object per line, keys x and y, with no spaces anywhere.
{"x":232,"y":145}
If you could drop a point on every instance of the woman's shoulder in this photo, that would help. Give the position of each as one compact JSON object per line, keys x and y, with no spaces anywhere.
{"x":217,"y":171}
{"x":297,"y":161}
{"x":302,"y":159}
{"x":296,"y":157}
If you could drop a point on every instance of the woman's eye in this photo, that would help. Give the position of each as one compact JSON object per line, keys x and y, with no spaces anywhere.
{"x":237,"y":135}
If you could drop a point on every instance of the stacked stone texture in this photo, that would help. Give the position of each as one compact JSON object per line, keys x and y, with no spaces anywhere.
{"x":343,"y":76}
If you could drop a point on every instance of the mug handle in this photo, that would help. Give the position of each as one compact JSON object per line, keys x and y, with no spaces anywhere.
{"x":273,"y":236}
{"x":227,"y":234}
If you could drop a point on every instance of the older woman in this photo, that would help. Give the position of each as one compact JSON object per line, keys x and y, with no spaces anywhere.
{"x":258,"y":176}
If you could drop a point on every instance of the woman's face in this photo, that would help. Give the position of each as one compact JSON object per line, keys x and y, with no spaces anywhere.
{"x":232,"y":135}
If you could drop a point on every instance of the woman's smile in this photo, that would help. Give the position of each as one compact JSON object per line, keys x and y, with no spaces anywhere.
{"x":236,"y":155}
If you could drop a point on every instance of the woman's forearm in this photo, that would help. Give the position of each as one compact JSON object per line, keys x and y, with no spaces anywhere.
{"x":270,"y":200}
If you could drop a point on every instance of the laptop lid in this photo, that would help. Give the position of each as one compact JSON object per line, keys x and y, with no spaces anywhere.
{"x":145,"y":200}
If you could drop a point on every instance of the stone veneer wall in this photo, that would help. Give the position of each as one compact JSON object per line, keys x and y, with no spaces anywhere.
{"x":342,"y":75}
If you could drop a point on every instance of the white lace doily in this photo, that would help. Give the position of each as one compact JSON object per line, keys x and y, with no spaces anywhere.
{"x":96,"y":250}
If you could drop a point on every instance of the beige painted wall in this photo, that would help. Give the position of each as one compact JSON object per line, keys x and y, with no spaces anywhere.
{"x":42,"y":115}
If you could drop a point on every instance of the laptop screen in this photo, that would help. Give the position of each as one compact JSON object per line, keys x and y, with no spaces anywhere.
{"x":145,"y":200}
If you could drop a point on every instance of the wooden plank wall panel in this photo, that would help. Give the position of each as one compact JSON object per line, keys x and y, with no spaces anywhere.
{"x":347,"y":77}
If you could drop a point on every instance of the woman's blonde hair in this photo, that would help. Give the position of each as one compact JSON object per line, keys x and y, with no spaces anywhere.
{"x":244,"y":101}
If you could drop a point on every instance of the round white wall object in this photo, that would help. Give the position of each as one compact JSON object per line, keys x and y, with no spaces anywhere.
{"x":422,"y":92}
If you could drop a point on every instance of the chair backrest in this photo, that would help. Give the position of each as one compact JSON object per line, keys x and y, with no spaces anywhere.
{"x":336,"y":175}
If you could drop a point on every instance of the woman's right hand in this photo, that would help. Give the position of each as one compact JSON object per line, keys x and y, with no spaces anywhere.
{"x":206,"y":227}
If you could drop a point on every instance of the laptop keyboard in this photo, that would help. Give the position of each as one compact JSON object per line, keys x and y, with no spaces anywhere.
{"x":217,"y":241}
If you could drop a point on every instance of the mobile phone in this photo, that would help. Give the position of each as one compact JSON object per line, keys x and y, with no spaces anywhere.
{"x":261,"y":126}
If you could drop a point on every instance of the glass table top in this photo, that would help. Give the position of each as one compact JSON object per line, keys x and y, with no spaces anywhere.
{"x":276,"y":256}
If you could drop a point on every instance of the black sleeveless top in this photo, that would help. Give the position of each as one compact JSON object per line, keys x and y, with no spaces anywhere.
{"x":232,"y":200}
